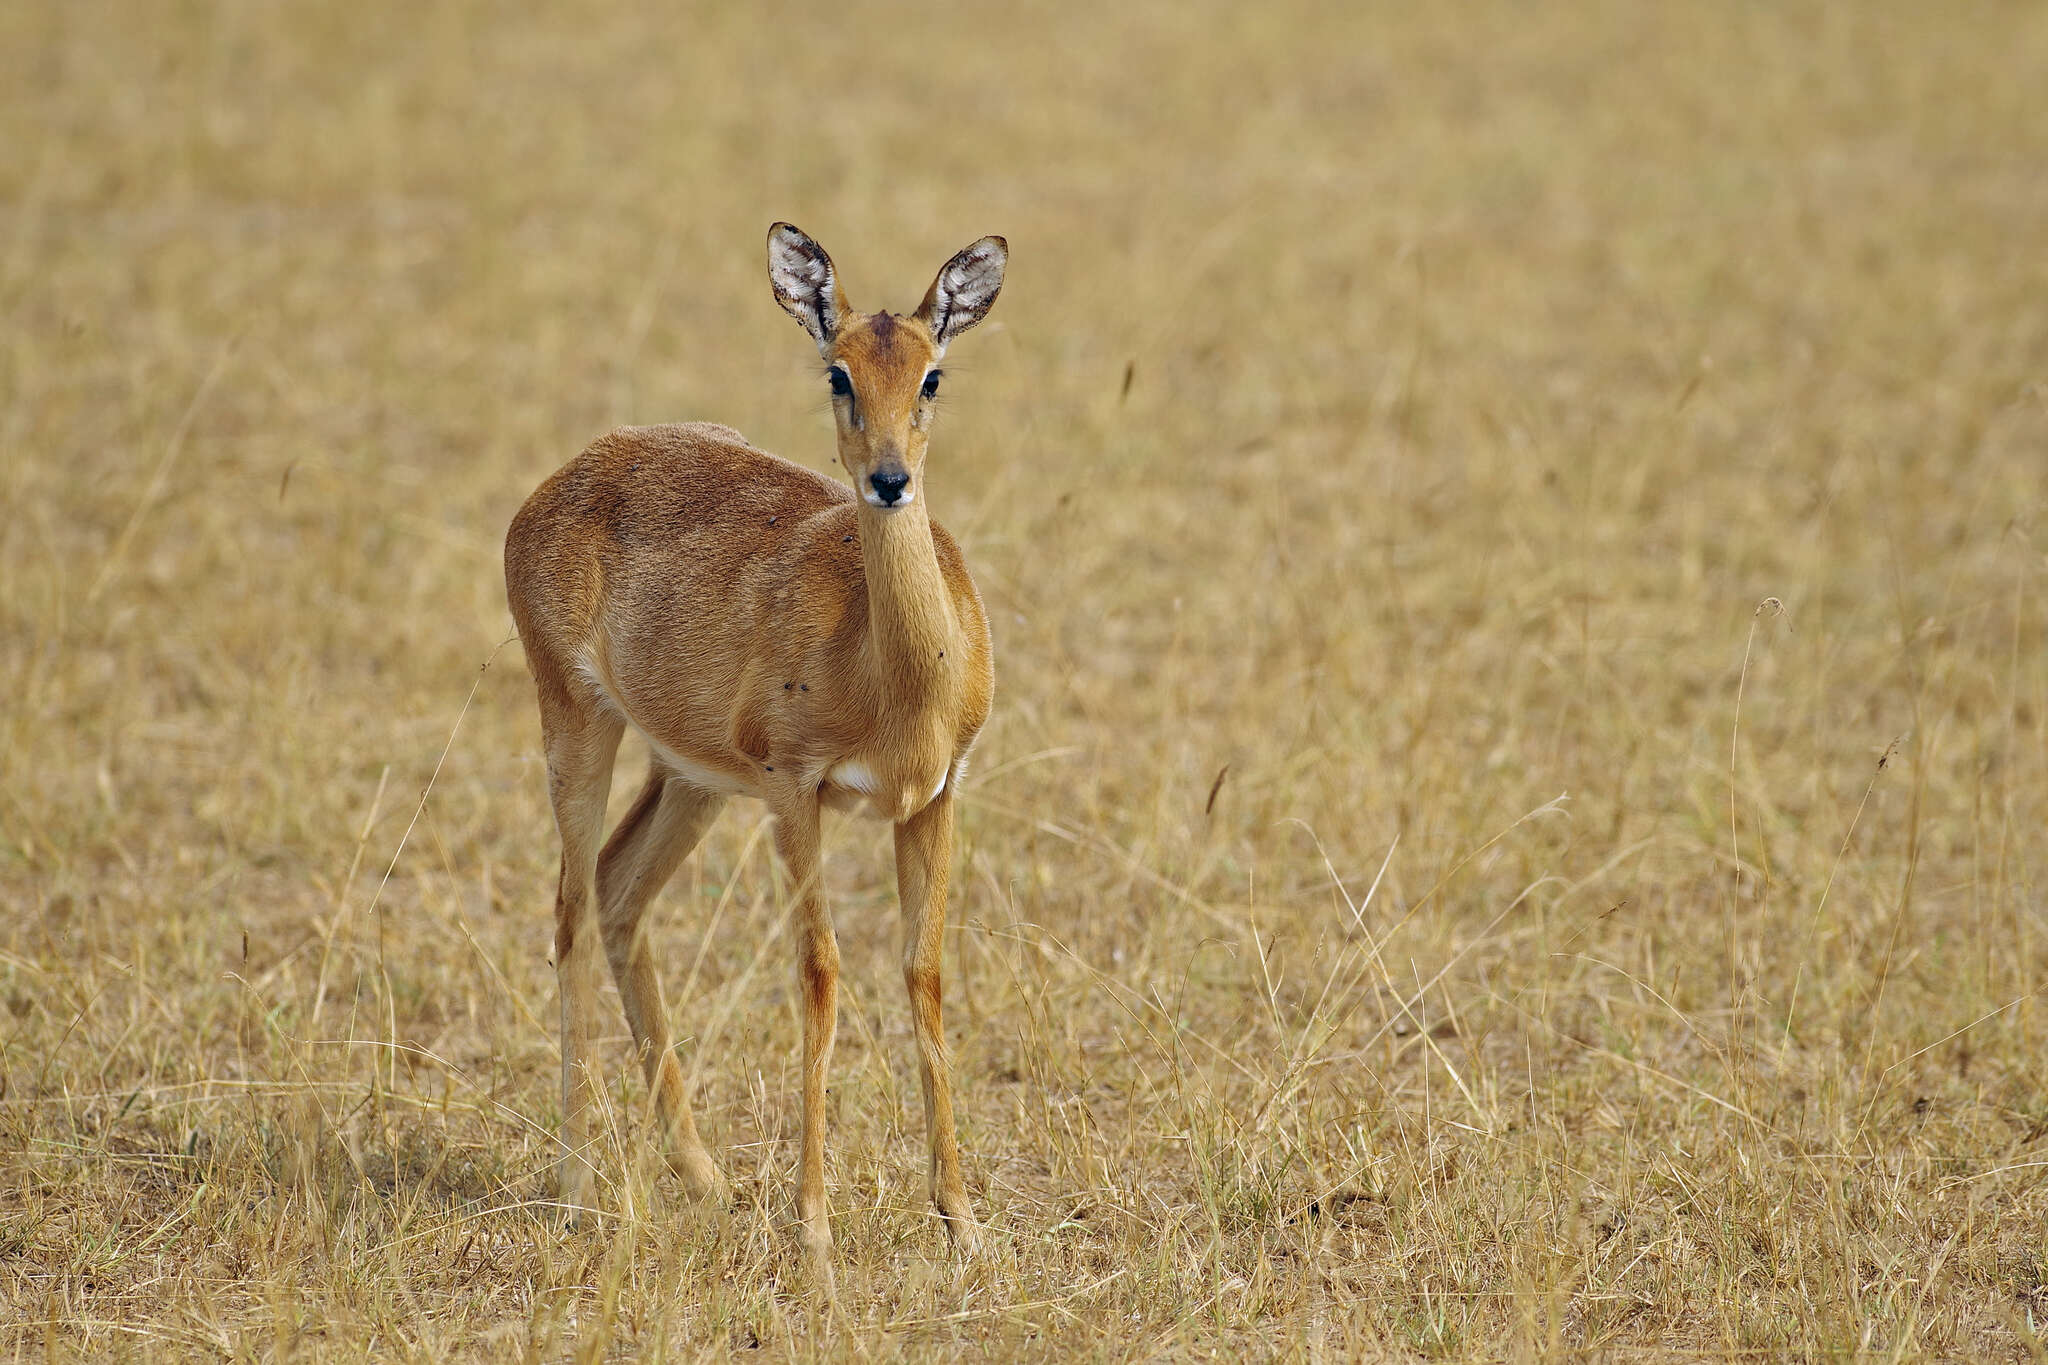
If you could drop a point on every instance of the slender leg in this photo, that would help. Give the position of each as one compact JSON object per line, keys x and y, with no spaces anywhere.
{"x":665,"y":823}
{"x":582,"y":740}
{"x":796,"y":838}
{"x":924,"y":848}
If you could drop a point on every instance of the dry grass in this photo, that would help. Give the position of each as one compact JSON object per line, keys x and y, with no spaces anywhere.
{"x":1406,"y":409}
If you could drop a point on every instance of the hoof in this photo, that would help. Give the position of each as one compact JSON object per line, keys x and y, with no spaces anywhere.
{"x":816,"y":1242}
{"x":575,"y":1195}
{"x":964,"y":1234}
{"x":701,"y":1177}
{"x":817,"y":1256}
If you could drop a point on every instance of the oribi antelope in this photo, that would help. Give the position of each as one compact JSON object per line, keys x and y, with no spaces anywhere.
{"x":773,"y":634}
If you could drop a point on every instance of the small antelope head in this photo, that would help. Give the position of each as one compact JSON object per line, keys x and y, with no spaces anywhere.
{"x":883,"y":368}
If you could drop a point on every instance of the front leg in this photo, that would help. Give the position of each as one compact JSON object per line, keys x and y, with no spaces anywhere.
{"x":924,"y":850}
{"x":796,"y":838}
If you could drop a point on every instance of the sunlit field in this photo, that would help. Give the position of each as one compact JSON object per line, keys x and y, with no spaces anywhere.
{"x":1515,"y":821}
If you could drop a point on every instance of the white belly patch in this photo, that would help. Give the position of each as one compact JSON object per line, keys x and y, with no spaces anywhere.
{"x":856,"y":776}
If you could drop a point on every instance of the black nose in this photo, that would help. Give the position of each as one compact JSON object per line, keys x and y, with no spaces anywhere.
{"x":889,"y":484}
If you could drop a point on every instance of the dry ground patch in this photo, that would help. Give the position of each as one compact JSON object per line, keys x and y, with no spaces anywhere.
{"x":1415,"y":898}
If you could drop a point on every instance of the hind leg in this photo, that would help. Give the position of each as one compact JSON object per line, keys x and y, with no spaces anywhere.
{"x":582,"y":738}
{"x":666,"y":821}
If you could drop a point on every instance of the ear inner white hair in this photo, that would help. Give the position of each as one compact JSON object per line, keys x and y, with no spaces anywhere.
{"x":965,"y":290}
{"x":805,"y":283}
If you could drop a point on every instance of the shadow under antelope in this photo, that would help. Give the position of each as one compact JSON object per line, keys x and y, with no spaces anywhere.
{"x":771,"y":634}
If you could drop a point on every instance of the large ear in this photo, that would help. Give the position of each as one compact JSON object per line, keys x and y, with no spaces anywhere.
{"x":965,"y":290}
{"x":805,"y":283}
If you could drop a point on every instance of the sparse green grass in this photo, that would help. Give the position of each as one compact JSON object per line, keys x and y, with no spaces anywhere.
{"x":1409,"y":408}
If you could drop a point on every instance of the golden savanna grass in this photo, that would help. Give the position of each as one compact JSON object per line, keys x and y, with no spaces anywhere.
{"x":1514,"y":818}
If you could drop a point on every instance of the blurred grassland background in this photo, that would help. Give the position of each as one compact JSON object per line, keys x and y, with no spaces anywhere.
{"x":1408,"y":409}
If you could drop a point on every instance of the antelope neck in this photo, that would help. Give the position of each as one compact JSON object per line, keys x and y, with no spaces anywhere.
{"x":911,"y":630}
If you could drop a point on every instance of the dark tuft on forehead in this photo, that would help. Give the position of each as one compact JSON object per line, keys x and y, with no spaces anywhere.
{"x":893,"y":345}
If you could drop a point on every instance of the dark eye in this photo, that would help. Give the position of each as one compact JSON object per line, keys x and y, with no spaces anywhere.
{"x":931,"y":384}
{"x":842,"y":387}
